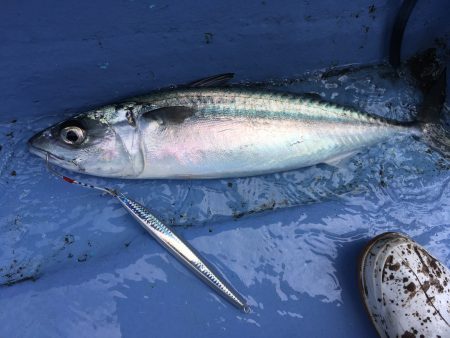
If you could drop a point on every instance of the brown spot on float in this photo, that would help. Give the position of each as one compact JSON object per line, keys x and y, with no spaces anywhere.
{"x":411,"y":287}
{"x":408,"y":334}
{"x":437,"y":284}
{"x":424,"y":269}
{"x":432,"y":263}
{"x":425,"y":286}
{"x":389,"y":260}
{"x":394,"y":267}
{"x":388,"y":264}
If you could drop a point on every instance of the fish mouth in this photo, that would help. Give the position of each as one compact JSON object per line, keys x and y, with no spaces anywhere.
{"x":44,"y":153}
{"x":55,"y":159}
{"x":39,"y":151}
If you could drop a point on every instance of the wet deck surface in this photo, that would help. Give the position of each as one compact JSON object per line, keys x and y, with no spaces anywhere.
{"x":73,"y":263}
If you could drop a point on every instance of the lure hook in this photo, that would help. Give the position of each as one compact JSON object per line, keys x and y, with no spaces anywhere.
{"x":109,"y":191}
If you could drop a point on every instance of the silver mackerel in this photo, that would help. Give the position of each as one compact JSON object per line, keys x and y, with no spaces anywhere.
{"x":211,"y":132}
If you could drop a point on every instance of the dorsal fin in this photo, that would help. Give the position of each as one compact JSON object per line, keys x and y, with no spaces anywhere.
{"x":169,"y":115}
{"x":212,"y":81}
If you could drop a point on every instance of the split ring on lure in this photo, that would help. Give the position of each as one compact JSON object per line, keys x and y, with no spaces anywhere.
{"x":185,"y":253}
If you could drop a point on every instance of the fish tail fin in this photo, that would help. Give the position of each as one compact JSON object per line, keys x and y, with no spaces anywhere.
{"x":437,"y":137}
{"x":433,"y":116}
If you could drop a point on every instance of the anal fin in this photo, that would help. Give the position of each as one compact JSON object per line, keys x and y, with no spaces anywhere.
{"x":341,"y":160}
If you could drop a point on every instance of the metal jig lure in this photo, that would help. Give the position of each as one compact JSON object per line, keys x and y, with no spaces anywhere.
{"x":179,"y":248}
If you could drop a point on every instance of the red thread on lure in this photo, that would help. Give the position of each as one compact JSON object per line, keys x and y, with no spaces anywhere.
{"x":68,"y":179}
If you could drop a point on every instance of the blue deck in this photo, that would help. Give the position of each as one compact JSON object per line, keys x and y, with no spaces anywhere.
{"x":78,"y":265}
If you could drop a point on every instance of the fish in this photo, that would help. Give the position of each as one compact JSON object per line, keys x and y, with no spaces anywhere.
{"x":207,"y":130}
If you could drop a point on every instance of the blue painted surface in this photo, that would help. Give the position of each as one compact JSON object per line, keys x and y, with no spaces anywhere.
{"x":98,"y":274}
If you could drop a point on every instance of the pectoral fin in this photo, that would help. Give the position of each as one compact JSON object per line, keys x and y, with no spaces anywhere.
{"x":169,"y":115}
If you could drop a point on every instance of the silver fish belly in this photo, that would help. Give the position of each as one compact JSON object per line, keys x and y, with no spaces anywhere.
{"x":240,"y":133}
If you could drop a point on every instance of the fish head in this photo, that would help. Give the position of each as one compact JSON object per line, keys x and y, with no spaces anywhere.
{"x":91,"y":143}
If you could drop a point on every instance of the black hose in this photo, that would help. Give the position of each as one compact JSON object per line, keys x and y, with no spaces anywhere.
{"x":397,"y":32}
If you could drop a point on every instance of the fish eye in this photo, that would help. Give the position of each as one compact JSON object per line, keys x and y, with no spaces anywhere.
{"x":73,"y":135}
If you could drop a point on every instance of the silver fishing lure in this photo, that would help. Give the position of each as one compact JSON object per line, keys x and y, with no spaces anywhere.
{"x":172,"y":242}
{"x":182,"y":251}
